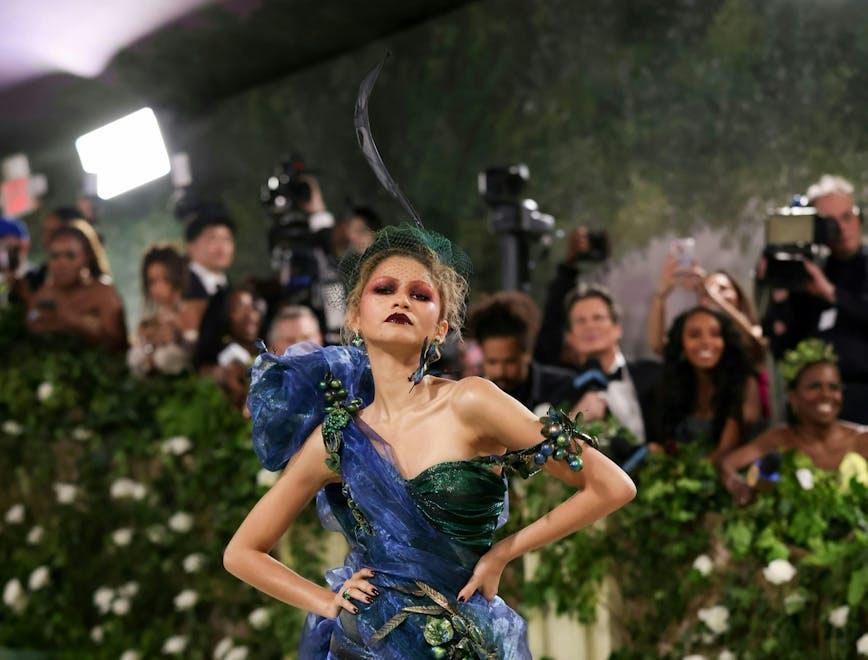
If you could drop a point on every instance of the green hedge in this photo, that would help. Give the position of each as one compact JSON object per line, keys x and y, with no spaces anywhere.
{"x":96,"y":466}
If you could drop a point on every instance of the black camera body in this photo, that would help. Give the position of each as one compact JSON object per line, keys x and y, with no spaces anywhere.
{"x":795,"y":234}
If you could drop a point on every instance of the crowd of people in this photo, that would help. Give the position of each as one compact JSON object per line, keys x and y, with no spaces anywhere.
{"x":721,"y":374}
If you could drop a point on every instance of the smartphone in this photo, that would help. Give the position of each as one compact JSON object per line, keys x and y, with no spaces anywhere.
{"x":683,"y":249}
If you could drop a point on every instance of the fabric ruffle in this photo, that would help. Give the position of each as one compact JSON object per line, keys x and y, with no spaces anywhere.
{"x":285,"y":401}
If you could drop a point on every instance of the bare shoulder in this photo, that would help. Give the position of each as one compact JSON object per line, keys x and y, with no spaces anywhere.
{"x":469,"y":394}
{"x":777,"y":437}
{"x":309,"y":462}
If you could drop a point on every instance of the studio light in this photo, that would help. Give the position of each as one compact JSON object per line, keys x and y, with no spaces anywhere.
{"x":124,"y":154}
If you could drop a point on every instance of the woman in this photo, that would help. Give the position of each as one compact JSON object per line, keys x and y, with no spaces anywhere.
{"x":410,"y":474}
{"x":814,"y":398}
{"x":77,"y":297}
{"x":707,"y":384}
{"x":227,"y":341}
{"x":167,"y":333}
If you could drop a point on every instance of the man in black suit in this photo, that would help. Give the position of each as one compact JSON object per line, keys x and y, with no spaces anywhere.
{"x":606,"y":384}
{"x":210,"y":237}
{"x":505,"y":325}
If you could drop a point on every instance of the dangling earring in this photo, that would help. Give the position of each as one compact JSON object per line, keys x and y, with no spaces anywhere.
{"x":429,"y":355}
{"x":357,"y":341}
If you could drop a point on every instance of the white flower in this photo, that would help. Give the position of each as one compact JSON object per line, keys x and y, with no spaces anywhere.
{"x":716,"y":618}
{"x":124,"y":487}
{"x":66,"y":493}
{"x":11,"y":427}
{"x":14,"y":596}
{"x":177,"y":445}
{"x":181,"y":522}
{"x":15,"y":514}
{"x":97,"y":634}
{"x":703,"y":564}
{"x":171,"y":359}
{"x":80,"y":433}
{"x":44,"y":391}
{"x":129,"y":589}
{"x":805,"y":478}
{"x":193,"y":563}
{"x":38,"y":578}
{"x":238,"y":653}
{"x":103,"y":598}
{"x":862,"y":645}
{"x":130,"y":655}
{"x":121,"y":606}
{"x":267,"y":478}
{"x":779,"y":571}
{"x":838,"y":616}
{"x":223,"y":647}
{"x":260,"y":617}
{"x":122,"y":537}
{"x":156,"y":533}
{"x":34,"y":536}
{"x":726,"y":654}
{"x":174,"y":645}
{"x":695,"y":656}
{"x":186,"y":599}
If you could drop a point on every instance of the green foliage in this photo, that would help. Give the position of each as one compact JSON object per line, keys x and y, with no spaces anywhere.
{"x":140,"y":455}
{"x":680,"y":513}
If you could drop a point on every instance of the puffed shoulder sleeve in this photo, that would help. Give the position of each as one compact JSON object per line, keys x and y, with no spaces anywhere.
{"x":286,"y":398}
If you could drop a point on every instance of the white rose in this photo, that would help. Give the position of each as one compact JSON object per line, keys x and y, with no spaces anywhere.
{"x":97,"y":634}
{"x":177,"y":445}
{"x":862,"y":645}
{"x":11,"y":427}
{"x":238,"y":653}
{"x":223,"y":647}
{"x":129,"y":589}
{"x":186,"y":599}
{"x":38,"y":578}
{"x":174,"y":645}
{"x":726,"y":654}
{"x":103,"y":598}
{"x":181,"y":522}
{"x":193,"y":563}
{"x":15,"y":514}
{"x":170,"y":359}
{"x":14,"y":596}
{"x":716,"y":618}
{"x":838,"y":616}
{"x":703,"y":564}
{"x":779,"y":571}
{"x":156,"y":533}
{"x":121,"y":606}
{"x":34,"y":536}
{"x":124,"y":487}
{"x":80,"y":433}
{"x":44,"y":391}
{"x":122,"y":537}
{"x":267,"y":478}
{"x":66,"y":493}
{"x":130,"y":655}
{"x":259,"y":618}
{"x":805,"y":478}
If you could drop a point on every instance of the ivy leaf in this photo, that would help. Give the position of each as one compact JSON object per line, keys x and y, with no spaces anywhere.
{"x":858,"y":585}
{"x":739,"y":536}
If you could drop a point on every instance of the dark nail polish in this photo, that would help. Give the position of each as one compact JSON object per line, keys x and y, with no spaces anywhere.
{"x":355,"y":610}
{"x":368,"y":599}
{"x":461,"y":599}
{"x":376,"y":592}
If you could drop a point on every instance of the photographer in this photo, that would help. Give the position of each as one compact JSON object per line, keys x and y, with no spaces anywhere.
{"x":833,"y":303}
{"x":550,"y":345}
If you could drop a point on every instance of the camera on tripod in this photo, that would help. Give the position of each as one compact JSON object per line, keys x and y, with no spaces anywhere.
{"x":795,"y":234}
{"x":518,"y":222}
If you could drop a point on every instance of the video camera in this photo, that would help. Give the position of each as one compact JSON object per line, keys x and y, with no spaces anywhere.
{"x":795,"y":234}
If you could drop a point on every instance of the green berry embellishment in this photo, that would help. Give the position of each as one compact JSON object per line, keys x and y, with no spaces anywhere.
{"x":321,"y":384}
{"x":560,"y":453}
{"x":335,"y":384}
{"x":437,"y":631}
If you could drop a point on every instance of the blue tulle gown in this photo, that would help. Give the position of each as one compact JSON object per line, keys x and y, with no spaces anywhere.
{"x":422,"y":537}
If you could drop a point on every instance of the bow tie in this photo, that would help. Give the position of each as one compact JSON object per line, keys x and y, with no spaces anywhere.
{"x":618,"y":374}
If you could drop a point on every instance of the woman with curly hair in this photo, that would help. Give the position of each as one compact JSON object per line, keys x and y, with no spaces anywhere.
{"x":814,"y":399}
{"x":710,"y":394}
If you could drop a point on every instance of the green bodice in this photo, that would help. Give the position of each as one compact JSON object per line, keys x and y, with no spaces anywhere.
{"x":462,"y":499}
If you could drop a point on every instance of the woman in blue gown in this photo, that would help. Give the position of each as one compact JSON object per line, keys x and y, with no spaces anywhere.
{"x":410,"y":468}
